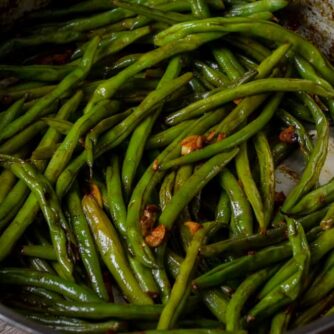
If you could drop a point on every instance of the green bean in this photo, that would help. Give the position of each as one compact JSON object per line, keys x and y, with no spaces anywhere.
{"x":145,"y":277}
{"x":256,"y":7}
{"x":16,"y":142}
{"x":47,"y":294}
{"x":245,"y":290}
{"x":108,"y":88}
{"x":41,"y":251}
{"x":303,"y":138}
{"x":69,"y":326}
{"x":249,"y":104}
{"x":153,"y":13}
{"x":267,"y":175}
{"x":61,"y":126}
{"x":223,"y":210}
{"x":182,"y":288}
{"x":239,"y":244}
{"x":314,"y":311}
{"x":291,"y":288}
{"x":265,"y":15}
{"x":86,"y":245}
{"x":244,"y":90}
{"x":166,"y":190}
{"x":328,"y":219}
{"x":112,"y":252}
{"x":30,"y":208}
{"x":260,"y":29}
{"x":306,"y":70}
{"x":7,"y":180}
{"x":67,"y":83}
{"x":12,"y":203}
{"x":314,"y":200}
{"x":30,"y":94}
{"x":320,"y":288}
{"x":241,"y":211}
{"x":248,"y":263}
{"x":46,"y":73}
{"x":317,"y":158}
{"x":228,"y":63}
{"x":101,"y":127}
{"x":20,"y":276}
{"x":50,"y":206}
{"x":140,"y":135}
{"x":11,"y":113}
{"x":249,"y":186}
{"x":94,"y":310}
{"x":114,"y":43}
{"x":118,"y":212}
{"x":95,"y":21}
{"x":280,"y":322}
{"x":194,"y":184}
{"x":120,"y":132}
{"x":214,"y":299}
{"x":248,"y":46}
{"x":215,"y":77}
{"x":85,"y":7}
{"x":84,"y":123}
{"x":57,"y":37}
{"x":148,"y":178}
{"x":199,"y":8}
{"x":233,"y":140}
{"x":165,"y":137}
{"x":115,"y":196}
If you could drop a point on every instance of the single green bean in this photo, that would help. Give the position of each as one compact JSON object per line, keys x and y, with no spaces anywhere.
{"x":112,"y":252}
{"x":182,"y":288}
{"x":41,"y":251}
{"x":267,"y":176}
{"x":86,"y":244}
{"x":249,"y":186}
{"x":241,"y":210}
{"x":228,"y":63}
{"x":256,"y":7}
{"x":23,"y":276}
{"x":245,"y":290}
{"x":314,"y":200}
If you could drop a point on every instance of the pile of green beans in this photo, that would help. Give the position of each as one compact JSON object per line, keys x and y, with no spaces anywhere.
{"x":139,"y":148}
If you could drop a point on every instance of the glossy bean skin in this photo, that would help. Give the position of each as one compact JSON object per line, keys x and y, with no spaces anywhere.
{"x":112,"y":252}
{"x":240,"y":208}
{"x":87,"y":249}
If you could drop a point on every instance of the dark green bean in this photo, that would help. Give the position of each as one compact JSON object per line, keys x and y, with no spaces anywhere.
{"x":182,"y":288}
{"x":241,"y":295}
{"x":249,"y":186}
{"x":20,"y":276}
{"x":41,"y":251}
{"x":86,"y":244}
{"x":267,"y":176}
{"x":314,"y":200}
{"x":93,"y":310}
{"x":112,"y":251}
{"x":240,"y":208}
{"x":61,"y":235}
